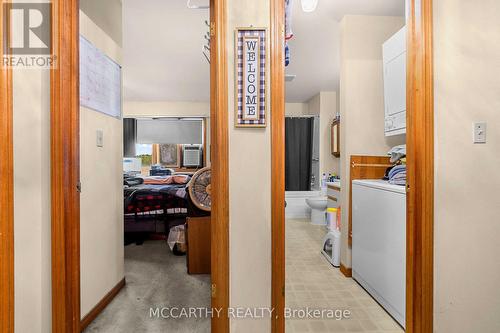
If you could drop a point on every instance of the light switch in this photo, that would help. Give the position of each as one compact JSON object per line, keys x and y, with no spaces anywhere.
{"x":100,"y":138}
{"x":479,"y":132}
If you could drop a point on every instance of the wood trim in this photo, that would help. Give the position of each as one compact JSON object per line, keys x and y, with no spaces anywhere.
{"x":220,"y":165}
{"x":277,"y":55}
{"x":6,"y":191}
{"x":347,"y":271}
{"x":65,"y":168}
{"x":103,"y":303}
{"x":420,"y":169}
{"x":364,"y":167}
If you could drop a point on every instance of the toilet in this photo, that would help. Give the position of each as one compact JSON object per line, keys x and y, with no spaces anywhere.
{"x":318,"y":207}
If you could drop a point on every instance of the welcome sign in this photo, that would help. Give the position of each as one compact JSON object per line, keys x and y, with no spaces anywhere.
{"x":251,"y":77}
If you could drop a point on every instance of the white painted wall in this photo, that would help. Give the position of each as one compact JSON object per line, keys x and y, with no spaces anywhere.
{"x":362,"y":98}
{"x":133,"y":109}
{"x":324,"y":104}
{"x":296,"y":109}
{"x":32,"y":224}
{"x":249,"y":189}
{"x":467,"y":204}
{"x":101,"y":211}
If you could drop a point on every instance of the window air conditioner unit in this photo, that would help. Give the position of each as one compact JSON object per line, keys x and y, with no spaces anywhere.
{"x":192,"y":156}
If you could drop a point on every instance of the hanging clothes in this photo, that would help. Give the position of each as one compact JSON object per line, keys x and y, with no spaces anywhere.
{"x":287,"y":54}
{"x":288,"y":29}
{"x":288,"y":19}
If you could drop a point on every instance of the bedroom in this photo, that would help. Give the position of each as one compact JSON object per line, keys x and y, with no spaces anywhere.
{"x":155,"y":241}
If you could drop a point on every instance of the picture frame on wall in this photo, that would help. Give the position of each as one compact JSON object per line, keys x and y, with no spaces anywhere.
{"x":335,"y":137}
{"x":170,"y":155}
{"x":250,"y":77}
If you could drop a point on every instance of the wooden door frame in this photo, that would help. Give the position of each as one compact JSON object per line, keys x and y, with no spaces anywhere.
{"x":65,"y":170}
{"x":6,"y":191}
{"x":420,"y":144}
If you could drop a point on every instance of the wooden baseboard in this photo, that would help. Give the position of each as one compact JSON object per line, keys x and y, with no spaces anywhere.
{"x":346,"y":271}
{"x":103,"y":303}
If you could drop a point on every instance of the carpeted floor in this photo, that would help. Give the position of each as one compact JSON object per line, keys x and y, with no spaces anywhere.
{"x":155,"y":279}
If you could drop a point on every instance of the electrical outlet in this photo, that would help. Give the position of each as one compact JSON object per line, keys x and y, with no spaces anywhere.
{"x":479,"y":132}
{"x":100,"y":138}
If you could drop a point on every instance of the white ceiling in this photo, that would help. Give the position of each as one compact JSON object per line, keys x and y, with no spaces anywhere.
{"x":162,"y":59}
{"x":162,"y":42}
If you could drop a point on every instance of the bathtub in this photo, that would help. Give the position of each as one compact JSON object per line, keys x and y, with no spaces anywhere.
{"x":296,"y":206}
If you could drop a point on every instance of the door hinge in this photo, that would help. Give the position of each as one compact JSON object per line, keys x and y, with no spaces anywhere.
{"x":79,"y":187}
{"x":212,"y":28}
{"x":407,"y":188}
{"x":214,"y":290}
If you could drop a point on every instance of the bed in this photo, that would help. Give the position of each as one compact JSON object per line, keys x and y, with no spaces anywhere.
{"x":155,"y":204}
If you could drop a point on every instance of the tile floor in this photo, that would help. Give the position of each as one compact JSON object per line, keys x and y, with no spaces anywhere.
{"x":312,"y":282}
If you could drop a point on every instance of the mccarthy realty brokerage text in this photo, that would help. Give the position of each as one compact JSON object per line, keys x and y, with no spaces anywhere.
{"x":242,"y":312}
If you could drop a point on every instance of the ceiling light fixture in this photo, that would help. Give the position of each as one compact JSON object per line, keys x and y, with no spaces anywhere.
{"x":190,"y":6}
{"x":309,"y":6}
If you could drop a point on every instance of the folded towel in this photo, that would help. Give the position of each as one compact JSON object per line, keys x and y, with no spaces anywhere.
{"x":397,"y":169}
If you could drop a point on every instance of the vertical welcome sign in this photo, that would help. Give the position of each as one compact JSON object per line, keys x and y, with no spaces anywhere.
{"x":250,"y":77}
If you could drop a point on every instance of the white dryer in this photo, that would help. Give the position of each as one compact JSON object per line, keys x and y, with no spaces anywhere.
{"x":379,"y":243}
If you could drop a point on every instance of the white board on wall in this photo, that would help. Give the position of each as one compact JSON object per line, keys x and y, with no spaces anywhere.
{"x":100,"y":81}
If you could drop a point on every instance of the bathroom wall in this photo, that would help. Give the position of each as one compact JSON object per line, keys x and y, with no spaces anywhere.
{"x":296,"y":109}
{"x":362,"y":99}
{"x":101,"y":200}
{"x":467,"y":204}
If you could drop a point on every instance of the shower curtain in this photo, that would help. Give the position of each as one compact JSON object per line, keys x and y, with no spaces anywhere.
{"x":298,"y":153}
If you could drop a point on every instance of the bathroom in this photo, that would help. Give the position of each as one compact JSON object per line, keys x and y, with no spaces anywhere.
{"x":338,"y":133}
{"x":308,"y":159}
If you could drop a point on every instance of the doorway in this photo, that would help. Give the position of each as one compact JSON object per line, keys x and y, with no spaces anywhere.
{"x":419,"y":216}
{"x":65,"y":155}
{"x":6,"y":194}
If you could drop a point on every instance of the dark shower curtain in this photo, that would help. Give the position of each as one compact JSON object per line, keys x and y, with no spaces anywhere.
{"x":298,"y":153}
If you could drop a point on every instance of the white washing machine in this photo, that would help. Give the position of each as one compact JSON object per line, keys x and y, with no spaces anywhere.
{"x":379,"y":243}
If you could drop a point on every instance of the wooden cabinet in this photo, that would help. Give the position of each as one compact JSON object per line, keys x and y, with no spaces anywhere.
{"x":394,"y":61}
{"x":198,"y":239}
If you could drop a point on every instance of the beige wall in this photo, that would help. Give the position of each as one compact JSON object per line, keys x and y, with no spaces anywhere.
{"x":324,"y":104}
{"x":361,"y":98}
{"x":107,"y":15}
{"x":467,"y":81}
{"x":101,"y":213}
{"x":296,"y":109}
{"x":166,"y":109}
{"x":249,"y":190}
{"x":32,"y":249}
